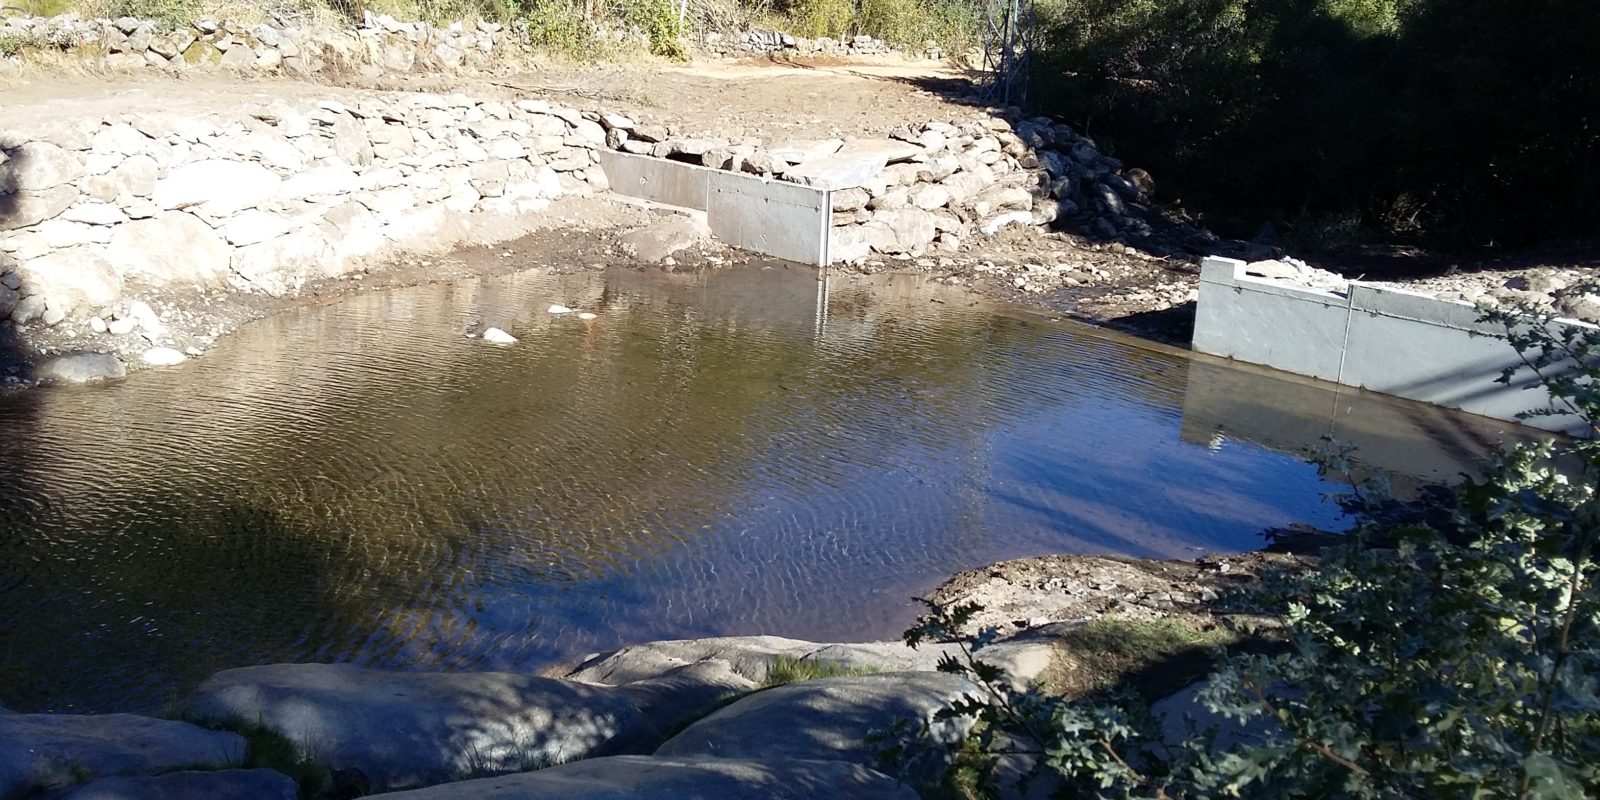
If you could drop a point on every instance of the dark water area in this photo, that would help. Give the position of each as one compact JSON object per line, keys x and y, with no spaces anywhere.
{"x":745,"y":451}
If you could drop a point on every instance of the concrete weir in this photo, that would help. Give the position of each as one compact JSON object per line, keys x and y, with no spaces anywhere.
{"x":1386,"y":340}
{"x":774,"y":218}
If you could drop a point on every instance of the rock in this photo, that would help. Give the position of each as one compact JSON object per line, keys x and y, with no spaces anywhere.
{"x":900,"y":231}
{"x":559,"y":309}
{"x":409,"y":729}
{"x":94,"y":214}
{"x":653,"y":243}
{"x":332,"y":177}
{"x":122,"y":326}
{"x":239,"y":56}
{"x":993,"y":225}
{"x":890,"y":150}
{"x":251,"y":226}
{"x":836,"y":172}
{"x":136,"y":176}
{"x":831,"y":719}
{"x":799,"y":151}
{"x":231,"y":784}
{"x":1274,"y":269}
{"x":73,"y":277}
{"x":48,"y":751}
{"x":175,"y":247}
{"x":497,"y":336}
{"x":850,"y":199}
{"x":218,"y":186}
{"x":39,"y":166}
{"x":587,"y":315}
{"x":1002,"y":198}
{"x":163,"y":357}
{"x":616,"y":122}
{"x":928,"y":197}
{"x":25,"y":209}
{"x":621,"y":777}
{"x":28,"y":309}
{"x":98,"y":325}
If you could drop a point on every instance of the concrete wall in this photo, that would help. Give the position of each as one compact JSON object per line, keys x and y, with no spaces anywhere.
{"x":1387,"y":340}
{"x":762,"y":215}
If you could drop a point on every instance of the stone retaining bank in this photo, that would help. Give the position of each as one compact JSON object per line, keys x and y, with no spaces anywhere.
{"x":95,"y":215}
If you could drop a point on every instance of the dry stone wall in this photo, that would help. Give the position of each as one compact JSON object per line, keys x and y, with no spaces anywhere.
{"x":91,"y":216}
{"x":378,"y":45}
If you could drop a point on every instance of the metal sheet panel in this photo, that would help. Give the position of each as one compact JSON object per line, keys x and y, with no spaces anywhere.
{"x":656,"y":179}
{"x":778,"y":219}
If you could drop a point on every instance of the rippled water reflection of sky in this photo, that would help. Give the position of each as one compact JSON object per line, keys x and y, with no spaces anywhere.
{"x":714,"y":454}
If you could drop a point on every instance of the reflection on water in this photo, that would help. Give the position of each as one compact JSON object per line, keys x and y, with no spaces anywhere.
{"x":715,"y":454}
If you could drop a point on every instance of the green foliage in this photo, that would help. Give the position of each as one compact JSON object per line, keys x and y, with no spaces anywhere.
{"x":1449,"y":653}
{"x":558,"y":27}
{"x":266,"y":749}
{"x":1470,"y":119}
{"x":786,"y":670}
{"x":815,"y":19}
{"x":953,"y":24}
{"x":660,"y":21}
{"x":167,"y":15}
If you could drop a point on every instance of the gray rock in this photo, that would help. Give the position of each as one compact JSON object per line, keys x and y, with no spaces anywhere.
{"x":175,"y":247}
{"x":49,"y":751}
{"x":410,"y":729}
{"x":219,"y":186}
{"x":232,"y":784}
{"x":900,"y":231}
{"x":837,"y":172}
{"x":653,"y":243}
{"x":37,"y":166}
{"x":799,"y":151}
{"x":642,"y":777}
{"x":163,"y":357}
{"x":850,"y":199}
{"x":890,"y":150}
{"x":24,"y":209}
{"x":73,"y":277}
{"x":830,"y":719}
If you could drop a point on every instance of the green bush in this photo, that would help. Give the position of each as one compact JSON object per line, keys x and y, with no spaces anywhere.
{"x":815,"y":19}
{"x":1470,"y":119}
{"x":1446,"y":651}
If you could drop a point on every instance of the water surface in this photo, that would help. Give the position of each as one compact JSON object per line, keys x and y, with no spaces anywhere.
{"x":745,"y":451}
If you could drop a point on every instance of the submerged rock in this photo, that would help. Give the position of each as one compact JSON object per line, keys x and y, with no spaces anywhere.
{"x":655,"y":242}
{"x":497,"y":336}
{"x":402,"y":730}
{"x":560,"y":309}
{"x":50,"y":751}
{"x":656,"y":777}
{"x":163,"y":357}
{"x":83,"y":368}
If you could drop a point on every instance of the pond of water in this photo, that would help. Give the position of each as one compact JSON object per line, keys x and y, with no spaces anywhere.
{"x":734,"y":452}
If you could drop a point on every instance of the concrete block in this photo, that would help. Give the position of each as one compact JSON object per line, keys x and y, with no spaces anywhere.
{"x":657,"y":179}
{"x":778,"y":219}
{"x":1261,"y":322}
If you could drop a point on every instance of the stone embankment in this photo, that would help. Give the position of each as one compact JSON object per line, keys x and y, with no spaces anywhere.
{"x":679,"y":718}
{"x":110,"y":224}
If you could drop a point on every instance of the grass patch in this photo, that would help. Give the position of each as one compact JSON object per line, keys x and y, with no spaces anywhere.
{"x":787,"y":670}
{"x":1153,"y":658}
{"x":267,"y":749}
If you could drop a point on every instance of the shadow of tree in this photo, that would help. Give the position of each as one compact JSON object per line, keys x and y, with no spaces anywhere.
{"x":14,"y":363}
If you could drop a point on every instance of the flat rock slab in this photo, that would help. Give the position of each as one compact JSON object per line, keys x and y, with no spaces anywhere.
{"x":831,"y":719}
{"x":402,"y":730}
{"x":650,"y":777}
{"x":49,"y":751}
{"x":232,"y":784}
{"x":752,"y":657}
{"x":837,"y":172}
{"x":890,"y":150}
{"x":799,"y":151}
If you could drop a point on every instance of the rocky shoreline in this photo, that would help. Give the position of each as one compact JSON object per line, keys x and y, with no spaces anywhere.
{"x":731,"y":716}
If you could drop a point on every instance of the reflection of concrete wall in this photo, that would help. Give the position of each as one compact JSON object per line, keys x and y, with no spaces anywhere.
{"x":1411,"y":442}
{"x":1385,"y":340}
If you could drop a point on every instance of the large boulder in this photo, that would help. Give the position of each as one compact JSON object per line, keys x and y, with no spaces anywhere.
{"x":37,"y":166}
{"x":639,"y":777}
{"x":231,"y":784}
{"x":219,"y":187}
{"x":837,"y":172}
{"x":175,"y":247}
{"x":832,"y":719}
{"x":73,"y":277}
{"x":653,"y":243}
{"x":50,"y":751}
{"x":401,"y":730}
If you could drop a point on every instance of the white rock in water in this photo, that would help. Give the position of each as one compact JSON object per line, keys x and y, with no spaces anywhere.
{"x":497,"y":336}
{"x":560,"y":309}
{"x":163,"y":357}
{"x":587,"y":315}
